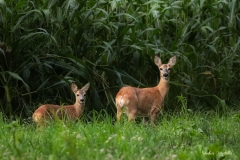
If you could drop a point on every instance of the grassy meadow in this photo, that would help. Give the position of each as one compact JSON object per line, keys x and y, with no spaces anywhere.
{"x":176,"y":136}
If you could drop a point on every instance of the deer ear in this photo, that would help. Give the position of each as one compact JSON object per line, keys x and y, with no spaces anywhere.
{"x":74,"y":87}
{"x":157,"y":61}
{"x":86,"y":87}
{"x":172,"y":61}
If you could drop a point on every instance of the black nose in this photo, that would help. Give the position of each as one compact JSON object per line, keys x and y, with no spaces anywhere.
{"x":82,"y":100}
{"x":165,"y":74}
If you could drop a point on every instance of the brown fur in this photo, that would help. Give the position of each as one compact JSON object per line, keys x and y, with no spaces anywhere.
{"x":145,"y":101}
{"x":72,"y":112}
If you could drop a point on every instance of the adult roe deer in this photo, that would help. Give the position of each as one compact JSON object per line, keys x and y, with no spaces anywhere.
{"x":72,"y":112}
{"x":145,"y":101}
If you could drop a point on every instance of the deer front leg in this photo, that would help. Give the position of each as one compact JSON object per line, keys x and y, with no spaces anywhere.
{"x":153,"y":114}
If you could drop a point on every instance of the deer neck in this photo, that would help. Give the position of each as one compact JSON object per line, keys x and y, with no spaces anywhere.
{"x":78,"y":107}
{"x":163,"y":87}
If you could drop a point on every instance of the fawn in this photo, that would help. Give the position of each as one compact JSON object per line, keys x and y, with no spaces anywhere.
{"x":145,"y":102}
{"x":72,"y":112}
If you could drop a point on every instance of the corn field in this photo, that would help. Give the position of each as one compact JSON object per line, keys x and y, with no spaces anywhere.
{"x":46,"y":45}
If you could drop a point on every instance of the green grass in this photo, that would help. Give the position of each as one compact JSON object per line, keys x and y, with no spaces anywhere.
{"x":46,"y":46}
{"x":177,"y":136}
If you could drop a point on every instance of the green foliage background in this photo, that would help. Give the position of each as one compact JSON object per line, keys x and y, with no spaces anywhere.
{"x":45,"y":45}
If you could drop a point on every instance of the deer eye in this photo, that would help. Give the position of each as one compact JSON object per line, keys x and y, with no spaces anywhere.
{"x":160,"y":68}
{"x":77,"y":94}
{"x":169,"y":69}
